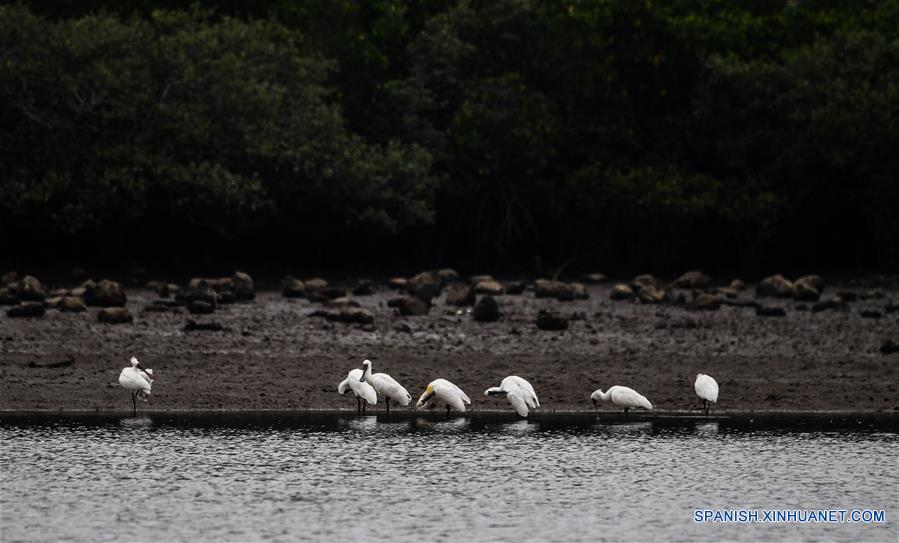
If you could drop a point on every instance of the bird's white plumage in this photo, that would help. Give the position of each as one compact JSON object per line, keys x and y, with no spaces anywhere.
{"x":386,"y":386}
{"x":360,"y":389}
{"x":622,"y":397}
{"x":442,"y":393}
{"x":706,"y":388}
{"x":134,"y":378}
{"x":518,"y":392}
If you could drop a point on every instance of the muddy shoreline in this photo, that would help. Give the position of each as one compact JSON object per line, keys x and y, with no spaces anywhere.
{"x":274,"y":355}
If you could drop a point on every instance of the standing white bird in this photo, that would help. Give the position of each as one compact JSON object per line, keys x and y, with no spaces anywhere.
{"x":385,"y":386}
{"x":621,"y":396}
{"x":519,"y":392}
{"x":442,"y":392}
{"x":707,"y":389}
{"x":362,"y":390}
{"x":138,"y":380}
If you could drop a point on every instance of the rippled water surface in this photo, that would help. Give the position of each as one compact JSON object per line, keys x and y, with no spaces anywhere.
{"x":329,"y":477}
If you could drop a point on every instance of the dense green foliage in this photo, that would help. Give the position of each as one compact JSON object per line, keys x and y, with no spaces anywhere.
{"x":626,"y":134}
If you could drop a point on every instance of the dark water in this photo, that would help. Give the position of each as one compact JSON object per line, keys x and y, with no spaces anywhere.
{"x":328,"y":477}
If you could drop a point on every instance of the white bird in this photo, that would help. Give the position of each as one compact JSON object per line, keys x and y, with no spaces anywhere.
{"x":138,"y":380}
{"x":621,"y":396}
{"x":362,"y":390}
{"x":519,"y":392}
{"x":442,"y":392}
{"x":385,"y":386}
{"x":707,"y":389}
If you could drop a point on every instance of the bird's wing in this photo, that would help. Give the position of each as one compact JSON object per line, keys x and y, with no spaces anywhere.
{"x":451,"y":395}
{"x":628,"y":397}
{"x":530,"y":396}
{"x":518,"y":402}
{"x":450,"y":386}
{"x":364,"y":391}
{"x":707,"y":388}
{"x":387,"y":386}
{"x":130,"y":380}
{"x":343,"y":386}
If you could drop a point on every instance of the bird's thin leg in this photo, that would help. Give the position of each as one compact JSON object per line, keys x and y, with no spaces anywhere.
{"x":447,"y":411}
{"x":134,"y":404}
{"x":364,"y":406}
{"x":625,"y":413}
{"x":706,"y":408}
{"x":387,"y":401}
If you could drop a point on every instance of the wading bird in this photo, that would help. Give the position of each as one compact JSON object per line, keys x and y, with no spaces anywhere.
{"x":441,"y":392}
{"x":363,"y":391}
{"x":519,"y":392}
{"x":385,"y":386}
{"x":138,"y":380}
{"x":707,"y":389}
{"x":622,"y":397}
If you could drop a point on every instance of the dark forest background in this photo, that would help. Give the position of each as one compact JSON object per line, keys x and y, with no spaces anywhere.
{"x":748,"y":135}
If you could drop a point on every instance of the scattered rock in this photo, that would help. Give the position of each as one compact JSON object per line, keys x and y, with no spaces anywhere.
{"x":364,"y":288}
{"x":243,"y":286}
{"x":833,"y":303}
{"x":475,"y":279}
{"x":447,"y":275}
{"x":197,"y":292}
{"x":106,"y":293}
{"x":486,"y":310}
{"x":550,"y":320}
{"x":579,"y":291}
{"x":645,"y":281}
{"x":889,"y":346}
{"x":805,"y":292}
{"x":397,"y":283}
{"x":198,"y":307}
{"x":162,"y":306}
{"x":315,"y":284}
{"x":814,"y":281}
{"x":516,"y":288}
{"x":460,"y":295}
{"x":738,"y":285}
{"x":706,"y":302}
{"x":621,"y":292}
{"x":692,"y":280}
{"x":343,"y":301}
{"x":72,"y":304}
{"x":492,"y":288}
{"x":547,"y":288}
{"x":870,"y":314}
{"x":8,"y":296}
{"x":770,"y":311}
{"x":410,"y":306}
{"x":291,"y":287}
{"x":729,"y":292}
{"x":9,"y":278}
{"x":26,"y":310}
{"x":114,"y":315}
{"x":30,"y":290}
{"x":594,"y":278}
{"x":425,"y":286}
{"x":211,"y":326}
{"x":775,"y":286}
{"x":349,"y":315}
{"x":65,"y":362}
{"x":59,"y":293}
{"x":650,"y":295}
{"x":226,"y":297}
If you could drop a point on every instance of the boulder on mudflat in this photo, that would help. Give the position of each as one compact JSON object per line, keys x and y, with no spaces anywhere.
{"x":364,"y":288}
{"x":114,"y":315}
{"x":71,"y":304}
{"x":650,"y":295}
{"x":692,"y":280}
{"x":348,"y":315}
{"x":397,"y":283}
{"x":492,"y":288}
{"x":9,"y":278}
{"x":325,"y":295}
{"x":621,"y":292}
{"x":410,"y":306}
{"x":291,"y":287}
{"x":243,"y":287}
{"x":706,"y":302}
{"x":814,"y":281}
{"x":206,"y":326}
{"x":833,"y":303}
{"x":486,"y":310}
{"x":770,"y":311}
{"x":342,"y":301}
{"x":29,"y":289}
{"x":548,"y":288}
{"x":550,"y":320}
{"x":775,"y":286}
{"x":197,"y":292}
{"x":425,"y":286}
{"x":516,"y":287}
{"x":644,"y":281}
{"x":594,"y":278}
{"x":447,"y":275}
{"x":26,"y":310}
{"x":738,"y":285}
{"x":315,"y":283}
{"x":475,"y":279}
{"x":579,"y":291}
{"x":805,"y":292}
{"x":198,"y":307}
{"x":460,"y":295}
{"x":106,"y":293}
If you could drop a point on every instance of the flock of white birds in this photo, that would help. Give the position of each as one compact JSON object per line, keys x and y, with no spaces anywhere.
{"x":367,"y":387}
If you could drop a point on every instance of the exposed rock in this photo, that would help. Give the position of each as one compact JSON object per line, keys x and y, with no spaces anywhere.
{"x":805,"y":292}
{"x":198,"y":307}
{"x":775,"y":286}
{"x":579,"y":291}
{"x":460,"y":295}
{"x":78,"y":291}
{"x":621,"y":292}
{"x":397,"y":283}
{"x":650,"y":295}
{"x":343,"y":301}
{"x":594,"y":278}
{"x":325,"y":295}
{"x":728,"y":292}
{"x":226,"y":297}
{"x":814,"y":281}
{"x":890,"y":346}
{"x":72,"y":304}
{"x":833,"y":303}
{"x":243,"y":286}
{"x":425,"y":286}
{"x":644,"y":281}
{"x":349,"y":315}
{"x":59,"y":293}
{"x":447,"y":275}
{"x":706,"y":302}
{"x":162,"y":306}
{"x":31,"y":290}
{"x":9,"y":278}
{"x":486,"y":310}
{"x":738,"y":285}
{"x":218,"y":284}
{"x":106,"y":293}
{"x":197,"y":292}
{"x":26,"y":310}
{"x":770,"y":311}
{"x":692,"y":280}
{"x":364,"y":288}
{"x":516,"y":287}
{"x":870,"y":314}
{"x":550,"y":320}
{"x":114,"y":315}
{"x":410,"y":306}
{"x":211,"y":326}
{"x":475,"y":279}
{"x":291,"y":287}
{"x":53,"y":302}
{"x":8,"y":296}
{"x":547,"y":288}
{"x":315,"y":283}
{"x":492,"y":288}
